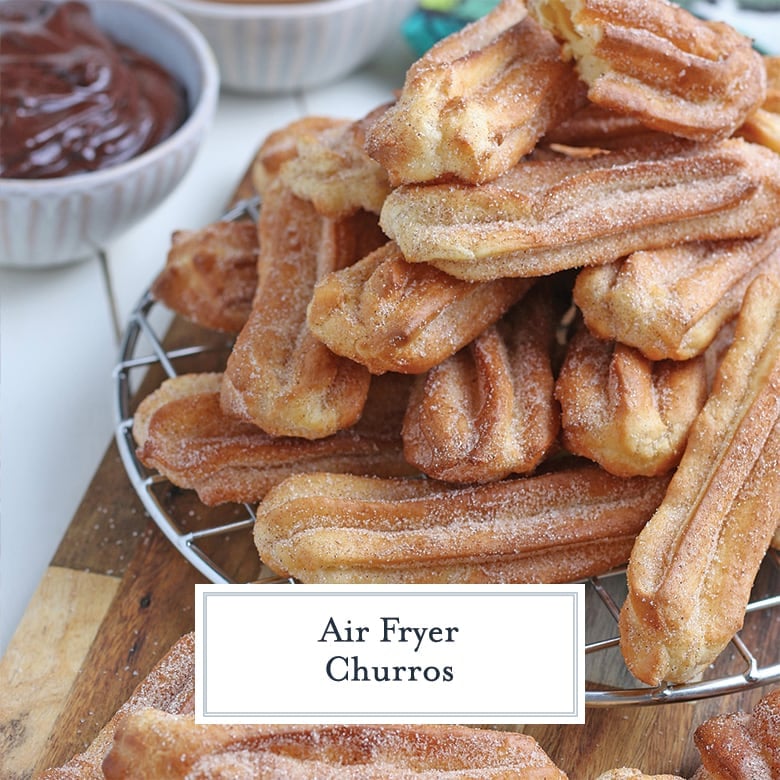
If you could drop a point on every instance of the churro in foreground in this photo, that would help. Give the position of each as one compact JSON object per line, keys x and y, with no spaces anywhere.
{"x":153,"y":744}
{"x":548,"y":215}
{"x":656,"y":61}
{"x":693,"y":565}
{"x":559,"y":526}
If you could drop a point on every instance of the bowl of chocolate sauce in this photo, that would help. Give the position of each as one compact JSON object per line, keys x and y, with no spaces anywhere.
{"x":103,"y":107}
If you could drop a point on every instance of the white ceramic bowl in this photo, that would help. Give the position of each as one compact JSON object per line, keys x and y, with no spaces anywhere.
{"x":280,"y":47}
{"x":47,"y":222}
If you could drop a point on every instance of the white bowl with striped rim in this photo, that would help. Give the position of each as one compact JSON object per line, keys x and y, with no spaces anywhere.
{"x":54,"y":221}
{"x":265,"y":48}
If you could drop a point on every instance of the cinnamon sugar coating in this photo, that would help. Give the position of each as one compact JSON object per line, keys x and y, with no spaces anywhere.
{"x":671,"y":303}
{"x":476,"y":102}
{"x":628,"y":413}
{"x":572,"y":522}
{"x":332,"y":170}
{"x":282,"y":145}
{"x":183,"y":433}
{"x":489,"y":410}
{"x":548,"y":215}
{"x":278,"y":375}
{"x":210,"y":275}
{"x":156,"y":744}
{"x":655,"y":61}
{"x":742,"y":745}
{"x":390,"y":315}
{"x":693,"y":565}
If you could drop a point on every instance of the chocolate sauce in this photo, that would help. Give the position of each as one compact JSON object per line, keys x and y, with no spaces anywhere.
{"x":72,"y":100}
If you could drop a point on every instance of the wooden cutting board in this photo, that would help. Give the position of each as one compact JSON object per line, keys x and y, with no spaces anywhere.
{"x":117,"y":595}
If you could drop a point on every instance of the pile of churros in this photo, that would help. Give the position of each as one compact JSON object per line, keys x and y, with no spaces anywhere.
{"x":519,"y":325}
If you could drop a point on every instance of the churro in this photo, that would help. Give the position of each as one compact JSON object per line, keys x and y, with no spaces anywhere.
{"x":693,"y":565}
{"x":671,"y":303}
{"x":332,"y":170}
{"x":548,"y":215}
{"x":155,"y":744}
{"x":628,"y":413}
{"x":477,"y":101}
{"x":278,"y":375}
{"x":390,"y":315}
{"x":489,"y":410}
{"x":656,"y":61}
{"x":741,"y":745}
{"x":210,"y":275}
{"x":182,"y":433}
{"x":559,"y":526}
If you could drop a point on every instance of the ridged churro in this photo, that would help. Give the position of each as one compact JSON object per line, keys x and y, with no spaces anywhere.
{"x":548,"y":215}
{"x":656,"y":61}
{"x":182,"y":433}
{"x":278,"y":375}
{"x":477,"y":101}
{"x":390,"y":315}
{"x":282,"y":145}
{"x":153,"y":744}
{"x":168,"y":688}
{"x":741,"y":745}
{"x":671,"y":303}
{"x":489,"y":410}
{"x":210,"y":275}
{"x":332,"y":170}
{"x":693,"y":565}
{"x":628,"y":413}
{"x":559,"y":526}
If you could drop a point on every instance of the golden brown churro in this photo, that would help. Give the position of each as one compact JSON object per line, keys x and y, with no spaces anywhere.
{"x":390,"y":315}
{"x":282,"y":145}
{"x":332,"y":170}
{"x":477,"y":101}
{"x":210,"y":275}
{"x":153,"y":744}
{"x":554,"y":527}
{"x":548,"y":215}
{"x":169,"y":688}
{"x":183,"y":433}
{"x":741,"y":745}
{"x":656,"y":61}
{"x":489,"y":410}
{"x":279,"y":376}
{"x":693,"y":565}
{"x":671,"y":303}
{"x":629,"y":414}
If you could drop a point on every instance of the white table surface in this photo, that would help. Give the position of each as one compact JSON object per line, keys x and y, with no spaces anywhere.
{"x":60,"y":329}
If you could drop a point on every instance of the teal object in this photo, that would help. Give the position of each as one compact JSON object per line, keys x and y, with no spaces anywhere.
{"x":436,"y":19}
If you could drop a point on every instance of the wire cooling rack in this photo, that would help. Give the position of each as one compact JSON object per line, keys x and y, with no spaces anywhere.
{"x":208,"y":537}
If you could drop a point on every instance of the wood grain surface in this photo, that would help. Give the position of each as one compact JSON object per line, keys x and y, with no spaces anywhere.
{"x":117,"y":596}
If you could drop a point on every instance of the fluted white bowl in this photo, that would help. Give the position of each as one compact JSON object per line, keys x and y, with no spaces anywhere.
{"x":266,"y":48}
{"x":48,"y":222}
